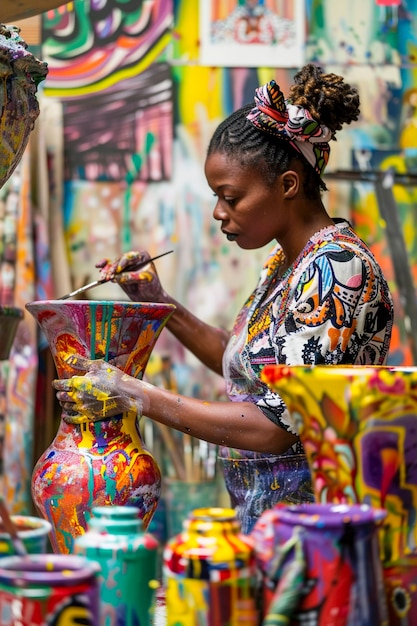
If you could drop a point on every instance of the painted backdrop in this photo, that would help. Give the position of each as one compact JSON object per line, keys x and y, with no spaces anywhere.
{"x":138,"y":112}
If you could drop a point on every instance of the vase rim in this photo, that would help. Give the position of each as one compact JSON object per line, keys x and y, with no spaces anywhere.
{"x":340,"y":368}
{"x":53,"y":569}
{"x":330,"y":514}
{"x":28,"y":526}
{"x":213,"y":514}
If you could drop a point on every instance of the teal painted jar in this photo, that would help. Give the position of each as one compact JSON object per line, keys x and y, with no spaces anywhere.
{"x":127,"y":555}
{"x":33,"y":532}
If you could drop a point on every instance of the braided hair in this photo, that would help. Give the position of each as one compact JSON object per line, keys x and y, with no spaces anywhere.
{"x":329,"y":100}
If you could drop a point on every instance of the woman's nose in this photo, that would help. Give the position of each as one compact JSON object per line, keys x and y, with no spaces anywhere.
{"x":218,"y":212}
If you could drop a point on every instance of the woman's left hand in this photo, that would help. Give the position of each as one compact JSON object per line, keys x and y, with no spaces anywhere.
{"x":97,"y":394}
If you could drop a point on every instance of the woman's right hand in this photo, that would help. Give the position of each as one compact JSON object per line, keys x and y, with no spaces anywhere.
{"x":141,"y":285}
{"x":98,"y":391}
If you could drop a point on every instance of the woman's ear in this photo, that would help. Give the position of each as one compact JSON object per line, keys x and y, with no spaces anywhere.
{"x":291,"y":182}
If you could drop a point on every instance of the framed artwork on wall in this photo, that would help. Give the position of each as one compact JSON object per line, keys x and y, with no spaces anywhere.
{"x":252,"y":33}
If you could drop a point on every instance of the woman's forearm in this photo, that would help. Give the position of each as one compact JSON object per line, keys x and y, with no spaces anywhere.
{"x":235,"y":424}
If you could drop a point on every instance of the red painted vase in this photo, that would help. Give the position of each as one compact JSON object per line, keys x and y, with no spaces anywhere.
{"x":105,"y":462}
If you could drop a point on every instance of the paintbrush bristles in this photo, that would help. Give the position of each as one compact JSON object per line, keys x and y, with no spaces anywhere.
{"x":187,"y":458}
{"x":198,"y":458}
{"x":10,"y":528}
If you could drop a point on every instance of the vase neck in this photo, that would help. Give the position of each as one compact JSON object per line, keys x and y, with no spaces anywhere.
{"x":87,"y":418}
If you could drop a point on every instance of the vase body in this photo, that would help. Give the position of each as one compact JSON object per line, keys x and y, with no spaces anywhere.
{"x":20,"y":74}
{"x":209,"y":572}
{"x":327,"y":557}
{"x":358,"y":425}
{"x":127,"y":555}
{"x":105,"y":462}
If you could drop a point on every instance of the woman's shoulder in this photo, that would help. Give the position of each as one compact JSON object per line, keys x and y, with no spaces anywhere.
{"x":341,"y":236}
{"x":336,"y":252}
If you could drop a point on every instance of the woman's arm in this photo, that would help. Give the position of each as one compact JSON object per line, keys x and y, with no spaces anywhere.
{"x":234,"y":424}
{"x":206,"y":342}
{"x":105,"y":391}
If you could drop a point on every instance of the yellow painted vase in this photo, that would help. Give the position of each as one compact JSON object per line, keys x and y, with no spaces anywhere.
{"x":105,"y":462}
{"x":358,"y":425}
{"x":209,"y":572}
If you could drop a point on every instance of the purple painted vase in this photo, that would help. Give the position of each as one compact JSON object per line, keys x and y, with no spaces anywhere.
{"x":321,"y":561}
{"x":104,"y":462}
{"x":36,"y":590}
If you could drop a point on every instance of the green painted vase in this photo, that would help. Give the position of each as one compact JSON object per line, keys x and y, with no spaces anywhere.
{"x":127,"y":555}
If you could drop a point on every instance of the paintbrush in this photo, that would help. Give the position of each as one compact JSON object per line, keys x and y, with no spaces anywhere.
{"x":96,"y":283}
{"x":10,"y":527}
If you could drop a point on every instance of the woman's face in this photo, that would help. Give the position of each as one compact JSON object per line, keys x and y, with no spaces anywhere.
{"x":250,"y":211}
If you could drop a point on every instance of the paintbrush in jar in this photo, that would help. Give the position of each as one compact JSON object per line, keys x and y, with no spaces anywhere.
{"x":10,"y":528}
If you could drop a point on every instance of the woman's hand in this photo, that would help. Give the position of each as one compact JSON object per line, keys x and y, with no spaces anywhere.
{"x":97,"y":394}
{"x":141,"y":285}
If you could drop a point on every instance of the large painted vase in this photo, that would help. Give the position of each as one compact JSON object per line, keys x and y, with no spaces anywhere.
{"x":358,"y":425}
{"x":105,"y":462}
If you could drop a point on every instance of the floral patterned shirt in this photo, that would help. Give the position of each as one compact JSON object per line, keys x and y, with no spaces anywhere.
{"x":332,"y":306}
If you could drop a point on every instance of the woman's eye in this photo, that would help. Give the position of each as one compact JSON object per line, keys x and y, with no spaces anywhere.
{"x":227,"y":199}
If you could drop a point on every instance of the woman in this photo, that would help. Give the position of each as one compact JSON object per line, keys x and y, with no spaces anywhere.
{"x":321,"y":296}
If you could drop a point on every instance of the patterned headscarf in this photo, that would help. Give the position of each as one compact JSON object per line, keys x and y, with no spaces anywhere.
{"x":277,"y":116}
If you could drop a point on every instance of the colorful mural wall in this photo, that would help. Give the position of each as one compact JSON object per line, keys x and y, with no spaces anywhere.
{"x":138,"y":109}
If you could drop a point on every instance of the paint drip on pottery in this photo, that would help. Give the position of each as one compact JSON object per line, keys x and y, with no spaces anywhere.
{"x":36,"y":590}
{"x":97,"y":462}
{"x":209,"y":572}
{"x":20,"y":75}
{"x":127,"y":555}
